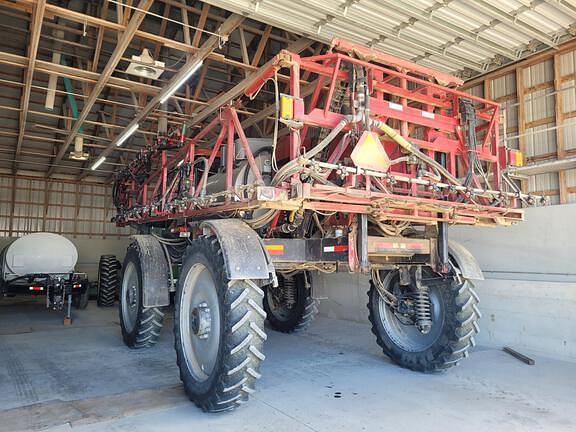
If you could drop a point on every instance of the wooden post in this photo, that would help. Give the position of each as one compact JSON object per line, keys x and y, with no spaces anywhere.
{"x":521,"y":119}
{"x":559,"y":118}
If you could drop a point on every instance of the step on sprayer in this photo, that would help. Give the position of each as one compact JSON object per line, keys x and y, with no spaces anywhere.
{"x":369,"y":163}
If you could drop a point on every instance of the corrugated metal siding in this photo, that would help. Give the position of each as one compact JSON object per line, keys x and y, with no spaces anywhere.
{"x":568,"y":63}
{"x":56,"y":206}
{"x":540,"y":130}
{"x":544,"y":183}
{"x":539,"y":73}
{"x":540,"y":140}
{"x":539,"y":105}
{"x":477,"y":91}
{"x":568,"y":92}
{"x":427,"y":31}
{"x":511,"y":114}
{"x":503,"y":86}
{"x":569,"y":127}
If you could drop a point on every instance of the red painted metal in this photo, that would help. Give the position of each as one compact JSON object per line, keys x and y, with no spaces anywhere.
{"x":409,"y":98}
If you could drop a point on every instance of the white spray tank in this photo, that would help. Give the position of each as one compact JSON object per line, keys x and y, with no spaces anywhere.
{"x":38,"y":253}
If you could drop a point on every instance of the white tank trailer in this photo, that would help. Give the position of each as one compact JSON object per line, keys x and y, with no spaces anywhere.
{"x":42,"y":264}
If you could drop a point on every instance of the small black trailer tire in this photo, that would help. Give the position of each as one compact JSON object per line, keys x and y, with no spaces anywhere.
{"x":80,"y":301}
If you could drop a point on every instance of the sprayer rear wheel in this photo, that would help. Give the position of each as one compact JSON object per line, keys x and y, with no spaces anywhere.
{"x":295,"y":315}
{"x":454,"y":324}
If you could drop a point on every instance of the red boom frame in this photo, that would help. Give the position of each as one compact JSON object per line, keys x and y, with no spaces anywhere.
{"x":408,"y":97}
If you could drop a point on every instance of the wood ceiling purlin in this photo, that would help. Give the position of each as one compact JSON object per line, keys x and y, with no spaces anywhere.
{"x":101,"y":89}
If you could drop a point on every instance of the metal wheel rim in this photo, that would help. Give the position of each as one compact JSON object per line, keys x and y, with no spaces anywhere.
{"x":408,"y":337}
{"x":130,"y":296}
{"x":200,"y":354}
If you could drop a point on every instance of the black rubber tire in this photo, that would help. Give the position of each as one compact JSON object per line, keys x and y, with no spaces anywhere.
{"x":300,"y":316}
{"x":149,"y":321}
{"x":80,"y":301}
{"x":242,"y":335}
{"x":107,"y":280}
{"x":457,"y":335}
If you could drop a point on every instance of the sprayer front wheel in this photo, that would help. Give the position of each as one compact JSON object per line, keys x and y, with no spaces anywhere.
{"x":219,"y":330}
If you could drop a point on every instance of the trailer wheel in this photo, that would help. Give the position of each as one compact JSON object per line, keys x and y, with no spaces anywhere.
{"x":219,"y":330}
{"x":141,"y":326}
{"x":80,"y":301}
{"x":454,"y":324}
{"x":290,"y":307}
{"x":107,"y":280}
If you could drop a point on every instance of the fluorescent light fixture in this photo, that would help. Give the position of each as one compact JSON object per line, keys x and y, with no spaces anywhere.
{"x":98,"y":163}
{"x":180,"y":82}
{"x":127,"y":134}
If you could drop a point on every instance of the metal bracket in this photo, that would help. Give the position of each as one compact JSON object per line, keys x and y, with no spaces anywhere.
{"x":362,"y":246}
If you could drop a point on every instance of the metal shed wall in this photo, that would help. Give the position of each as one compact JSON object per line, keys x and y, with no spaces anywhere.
{"x":538,"y":98}
{"x":30,"y":204}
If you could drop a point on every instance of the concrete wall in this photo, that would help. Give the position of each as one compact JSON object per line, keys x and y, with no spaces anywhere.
{"x":528,"y":299}
{"x":89,"y":251}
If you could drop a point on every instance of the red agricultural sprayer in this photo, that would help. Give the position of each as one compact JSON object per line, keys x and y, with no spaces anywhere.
{"x":370,"y":160}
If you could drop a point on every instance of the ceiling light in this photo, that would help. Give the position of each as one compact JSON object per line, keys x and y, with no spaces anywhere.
{"x":98,"y":163}
{"x":145,"y":66}
{"x":181,"y":81}
{"x":127,"y":134}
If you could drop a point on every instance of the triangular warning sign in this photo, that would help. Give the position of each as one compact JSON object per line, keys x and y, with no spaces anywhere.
{"x":369,"y":153}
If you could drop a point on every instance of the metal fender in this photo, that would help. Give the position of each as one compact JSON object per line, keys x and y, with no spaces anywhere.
{"x":155,"y":271}
{"x":465,"y":261}
{"x":245,"y":256}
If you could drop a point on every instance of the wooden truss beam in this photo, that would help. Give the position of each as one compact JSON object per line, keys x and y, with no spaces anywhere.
{"x":209,"y":46}
{"x":35,"y":31}
{"x":296,"y":46}
{"x":123,"y":43}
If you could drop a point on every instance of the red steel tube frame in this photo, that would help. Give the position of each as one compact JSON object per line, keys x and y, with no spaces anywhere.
{"x":400,"y":95}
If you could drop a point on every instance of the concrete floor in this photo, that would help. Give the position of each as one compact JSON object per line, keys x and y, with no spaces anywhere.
{"x":331,"y":378}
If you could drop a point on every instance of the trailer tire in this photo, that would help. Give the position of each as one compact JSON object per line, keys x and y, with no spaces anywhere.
{"x":141,"y":326}
{"x":291,"y":319}
{"x":218,"y":328}
{"x":456,"y":317}
{"x":107,"y":280}
{"x":80,"y":301}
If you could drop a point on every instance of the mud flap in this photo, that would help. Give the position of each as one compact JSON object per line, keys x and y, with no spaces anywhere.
{"x":155,"y":272}
{"x":465,"y":261}
{"x":245,"y":256}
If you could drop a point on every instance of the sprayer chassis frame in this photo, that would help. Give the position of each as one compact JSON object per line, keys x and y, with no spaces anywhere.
{"x":390,"y":98}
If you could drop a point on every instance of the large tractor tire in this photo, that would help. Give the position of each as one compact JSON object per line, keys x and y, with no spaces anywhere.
{"x":454,"y":315}
{"x":141,"y":326}
{"x":289,"y":306}
{"x":107,"y":280}
{"x":219,"y":330}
